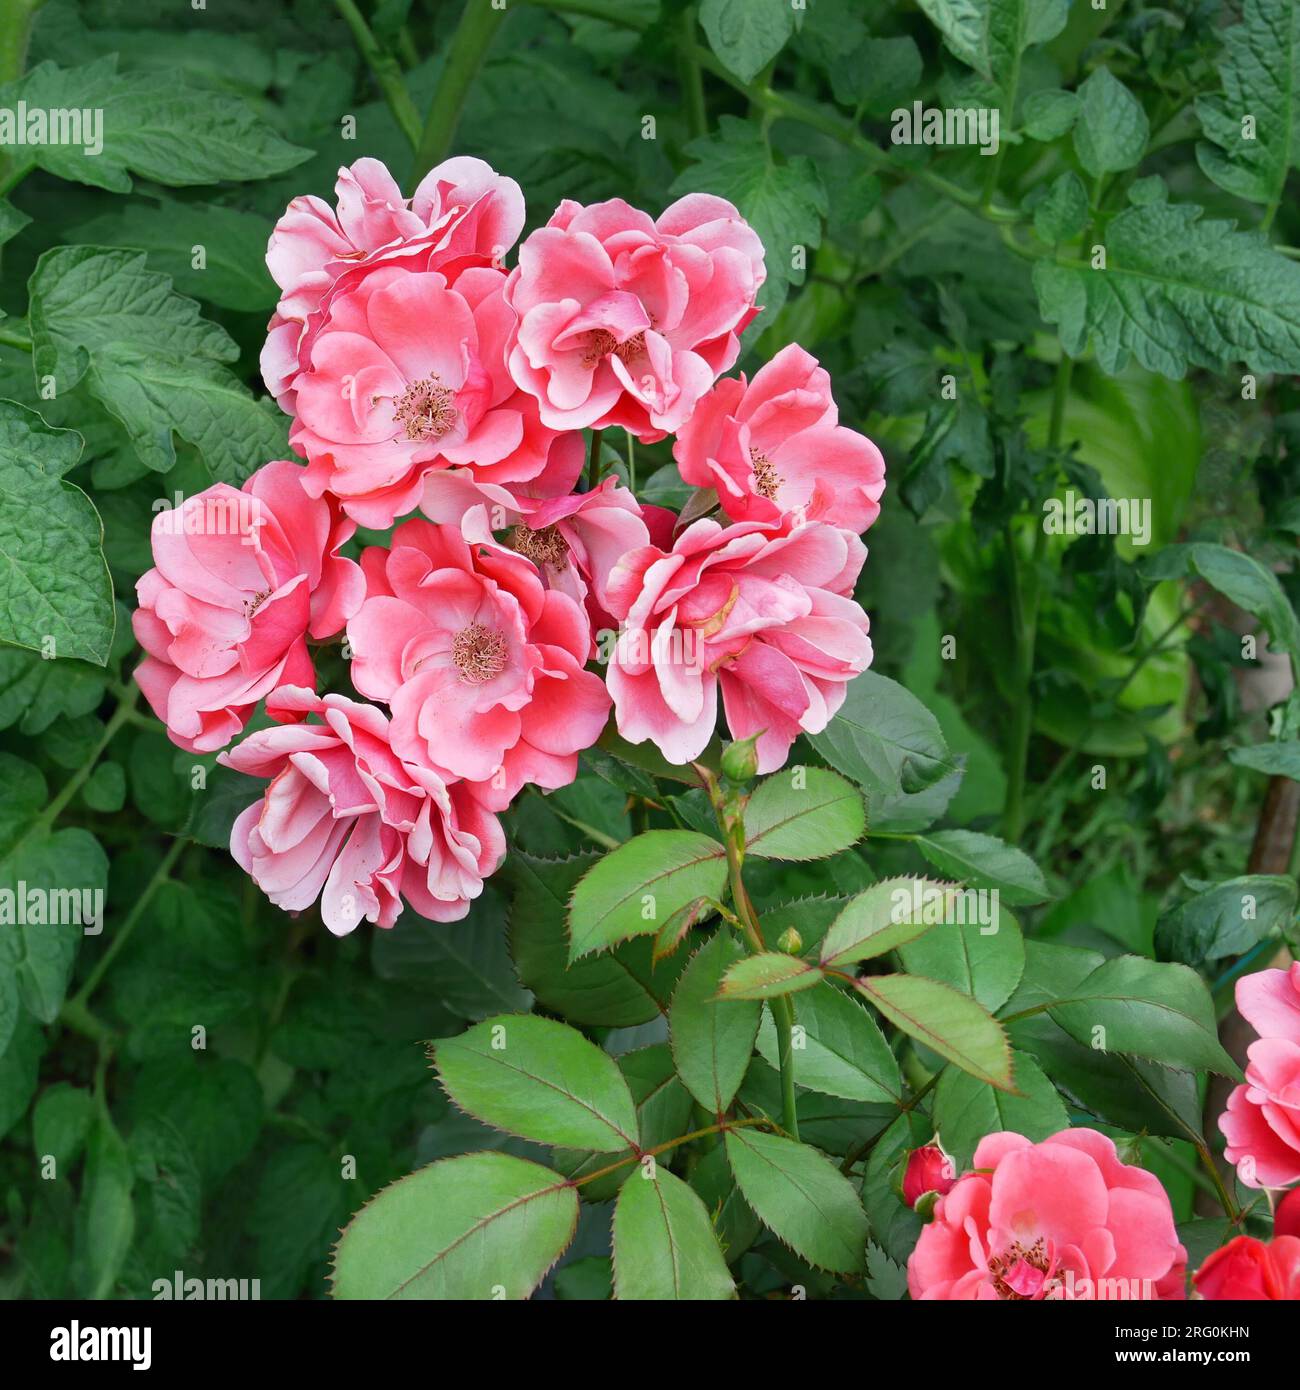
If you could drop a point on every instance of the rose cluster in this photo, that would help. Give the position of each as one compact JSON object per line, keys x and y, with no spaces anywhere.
{"x":442,"y":397}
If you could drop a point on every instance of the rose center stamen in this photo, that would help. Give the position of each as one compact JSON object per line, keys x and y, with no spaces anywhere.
{"x":601,"y":342}
{"x":251,"y":605}
{"x":766,"y":479}
{"x":426,"y":409}
{"x":545,"y":546}
{"x":1004,"y":1266}
{"x":478,"y":653}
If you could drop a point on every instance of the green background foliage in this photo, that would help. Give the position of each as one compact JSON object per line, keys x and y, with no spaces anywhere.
{"x":1106,"y":307}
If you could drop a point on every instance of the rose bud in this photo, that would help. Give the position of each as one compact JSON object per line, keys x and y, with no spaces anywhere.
{"x":928,"y":1170}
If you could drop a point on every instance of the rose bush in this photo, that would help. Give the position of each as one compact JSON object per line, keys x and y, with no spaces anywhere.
{"x":657,"y":696}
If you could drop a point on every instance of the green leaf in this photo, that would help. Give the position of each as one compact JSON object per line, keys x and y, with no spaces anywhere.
{"x":18,"y":1068}
{"x":1227,"y":919}
{"x":617,"y":989}
{"x":746,"y":34}
{"x":844,"y":1053}
{"x":635,"y":889}
{"x":803,"y":813}
{"x":1177,"y":292}
{"x":664,"y":1243}
{"x":1260,"y":70}
{"x":1049,"y":114}
{"x":991,"y":35}
{"x":784,"y":203}
{"x":801,"y":1197}
{"x":232,"y":273}
{"x":106,"y":1220}
{"x":886,"y":1280}
{"x":1163,"y":1012}
{"x":149,"y":123}
{"x":1238,"y":577}
{"x":462,"y":1228}
{"x":49,"y":882}
{"x":763,"y":976}
{"x":1276,"y":759}
{"x":951,"y":1024}
{"x":966,"y":1109}
{"x":35,"y":692}
{"x":884,"y":917}
{"x":984,"y":861}
{"x":663,"y":1108}
{"x":149,"y":359}
{"x":56,"y":596}
{"x":1110,"y":132}
{"x":1063,"y":213}
{"x":540,"y":1080}
{"x":982,"y":959}
{"x":60,"y":1122}
{"x":12,"y":221}
{"x":463,"y":964}
{"x":712,"y":1041}
{"x":105,"y":788}
{"x":884,"y":737}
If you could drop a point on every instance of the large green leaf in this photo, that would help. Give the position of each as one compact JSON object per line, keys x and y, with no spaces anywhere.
{"x":634,"y":889}
{"x":839,"y":1050}
{"x":1177,"y":292}
{"x":984,"y":861}
{"x":966,"y":1109}
{"x":803,"y":813}
{"x":991,"y":35}
{"x":1163,"y":1012}
{"x":884,"y":917}
{"x":746,"y":34}
{"x":56,"y":596}
{"x":801,"y":1197}
{"x":712,"y":1039}
{"x":783,"y":202}
{"x":949,"y":1023}
{"x":149,"y":359}
{"x":617,"y":989}
{"x":1227,"y":919}
{"x":982,"y":960}
{"x":664,"y":1243}
{"x":479,"y":1226}
{"x":106,"y":1221}
{"x":1278,"y":759}
{"x":1111,"y":128}
{"x":540,"y":1080}
{"x":169,"y":131}
{"x":1260,"y":71}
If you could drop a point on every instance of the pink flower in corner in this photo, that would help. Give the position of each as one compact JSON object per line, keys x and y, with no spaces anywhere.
{"x":1062,"y":1219}
{"x":1251,"y":1270}
{"x":407,"y":374}
{"x":346,"y":821}
{"x":1262,"y":1120}
{"x":627,"y":321}
{"x":764,"y":612}
{"x":241,"y":578}
{"x":776,"y":446}
{"x":463,"y":214}
{"x":481,"y":665}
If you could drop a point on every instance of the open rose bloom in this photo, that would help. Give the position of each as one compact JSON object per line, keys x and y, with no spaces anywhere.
{"x":512,"y":598}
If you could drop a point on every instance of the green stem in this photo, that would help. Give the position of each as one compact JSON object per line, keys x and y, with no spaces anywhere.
{"x":160,"y":874}
{"x":692,"y":81}
{"x":386,"y":69}
{"x":1230,"y":1208}
{"x":465,"y":55}
{"x":16,"y":340}
{"x":720,"y":1128}
{"x":15,"y":31}
{"x":593,"y":459}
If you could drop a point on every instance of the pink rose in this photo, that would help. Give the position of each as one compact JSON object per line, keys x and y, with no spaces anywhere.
{"x":624,"y":321}
{"x":345,"y":820}
{"x":928,"y":1169}
{"x":575,"y":541}
{"x":481,"y":664}
{"x":1262,"y":1121}
{"x":1061,"y":1219}
{"x":462,"y":214}
{"x":406,"y":374}
{"x":1249,"y":1269}
{"x":1286,"y":1219}
{"x":241,"y":579}
{"x":764,"y":611}
{"x":775,"y":446}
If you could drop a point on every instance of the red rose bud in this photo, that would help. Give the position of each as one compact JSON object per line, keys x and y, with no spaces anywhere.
{"x":1286,"y":1220}
{"x":928,"y":1170}
{"x":1247,"y":1268}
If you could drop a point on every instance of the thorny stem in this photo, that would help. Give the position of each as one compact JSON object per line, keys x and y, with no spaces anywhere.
{"x":465,"y":54}
{"x":386,"y":69}
{"x":637,"y":1155}
{"x":856,"y":1153}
